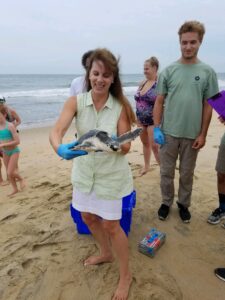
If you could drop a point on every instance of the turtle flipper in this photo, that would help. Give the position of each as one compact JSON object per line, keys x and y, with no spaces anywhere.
{"x":129,"y":136}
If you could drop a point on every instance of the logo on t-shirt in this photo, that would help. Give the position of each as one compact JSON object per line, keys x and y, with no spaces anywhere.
{"x":197,"y":78}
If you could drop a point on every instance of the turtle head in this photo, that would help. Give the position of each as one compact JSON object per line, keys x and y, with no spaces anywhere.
{"x":114,"y":146}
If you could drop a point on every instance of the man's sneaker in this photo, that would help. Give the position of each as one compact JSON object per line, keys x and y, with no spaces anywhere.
{"x":223,"y":225}
{"x":163,"y":212}
{"x":220,"y":273}
{"x":184,"y":213}
{"x":217,"y":215}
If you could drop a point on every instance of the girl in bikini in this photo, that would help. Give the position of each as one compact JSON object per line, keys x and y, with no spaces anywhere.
{"x":145,"y":99}
{"x":9,"y":139}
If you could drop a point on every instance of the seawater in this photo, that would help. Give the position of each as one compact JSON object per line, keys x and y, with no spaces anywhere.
{"x":38,"y":99}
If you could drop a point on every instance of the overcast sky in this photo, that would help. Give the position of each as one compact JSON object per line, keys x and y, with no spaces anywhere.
{"x":50,"y":36}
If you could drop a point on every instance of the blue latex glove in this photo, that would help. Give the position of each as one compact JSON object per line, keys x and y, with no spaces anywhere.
{"x":114,"y":137}
{"x":64,"y":151}
{"x":158,"y":136}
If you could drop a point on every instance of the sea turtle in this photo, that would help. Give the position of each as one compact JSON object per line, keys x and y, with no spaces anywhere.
{"x":98,"y":140}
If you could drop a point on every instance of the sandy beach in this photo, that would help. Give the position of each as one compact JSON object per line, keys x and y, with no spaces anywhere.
{"x":41,"y":253}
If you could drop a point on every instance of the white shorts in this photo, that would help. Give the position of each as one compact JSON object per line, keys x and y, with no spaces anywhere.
{"x":106,"y":209}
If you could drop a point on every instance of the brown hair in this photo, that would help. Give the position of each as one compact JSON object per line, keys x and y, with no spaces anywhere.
{"x":153,"y":61}
{"x":3,"y":109}
{"x":193,"y":26}
{"x":111,"y":63}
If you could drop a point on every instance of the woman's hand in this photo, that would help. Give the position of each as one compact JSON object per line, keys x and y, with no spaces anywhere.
{"x":65,"y":151}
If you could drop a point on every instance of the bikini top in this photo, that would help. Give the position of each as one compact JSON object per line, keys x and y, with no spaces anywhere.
{"x":5,"y":134}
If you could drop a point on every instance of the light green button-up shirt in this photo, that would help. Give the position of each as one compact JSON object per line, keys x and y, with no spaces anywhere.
{"x":108,"y":174}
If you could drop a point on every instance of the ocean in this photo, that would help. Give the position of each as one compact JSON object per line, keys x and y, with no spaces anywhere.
{"x":38,"y":99}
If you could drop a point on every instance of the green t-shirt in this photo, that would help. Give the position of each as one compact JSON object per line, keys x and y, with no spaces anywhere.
{"x":185,"y":88}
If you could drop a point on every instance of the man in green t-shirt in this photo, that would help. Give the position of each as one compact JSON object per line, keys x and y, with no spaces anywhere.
{"x":182,"y":116}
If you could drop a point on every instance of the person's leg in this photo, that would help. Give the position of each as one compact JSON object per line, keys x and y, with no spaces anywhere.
{"x":2,"y":182}
{"x":12,"y":163}
{"x":188,"y":157}
{"x":220,"y":167}
{"x":221,"y":189}
{"x":219,"y":213}
{"x":146,"y":150}
{"x":1,"y":178}
{"x":153,"y":145}
{"x":168,"y":154}
{"x":119,"y":242}
{"x":17,"y":176}
{"x":6,"y":161}
{"x":95,"y":225}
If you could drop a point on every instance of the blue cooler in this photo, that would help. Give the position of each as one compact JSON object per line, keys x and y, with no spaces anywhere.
{"x":128,"y":202}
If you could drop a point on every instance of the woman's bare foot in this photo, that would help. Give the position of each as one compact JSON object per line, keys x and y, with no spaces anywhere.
{"x":144,"y":170}
{"x":98,"y":259}
{"x":22,"y":184}
{"x":123,"y":288}
{"x":3,"y":183}
{"x":13,"y":193}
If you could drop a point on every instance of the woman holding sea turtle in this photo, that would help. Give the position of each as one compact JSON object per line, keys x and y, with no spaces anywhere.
{"x":100,"y":180}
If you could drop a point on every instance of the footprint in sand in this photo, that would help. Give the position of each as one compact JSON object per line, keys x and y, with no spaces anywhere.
{"x":37,"y":247}
{"x":45,"y":184}
{"x":54,"y":254}
{"x":8,"y":217}
{"x":161,"y":286}
{"x":62,"y":187}
{"x":54,"y":195}
{"x":13,"y":272}
{"x":28,"y":262}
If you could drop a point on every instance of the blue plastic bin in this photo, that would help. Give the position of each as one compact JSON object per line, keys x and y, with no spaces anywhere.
{"x":129,"y":203}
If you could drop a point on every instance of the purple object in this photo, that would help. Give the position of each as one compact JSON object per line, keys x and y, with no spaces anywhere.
{"x":218,"y":103}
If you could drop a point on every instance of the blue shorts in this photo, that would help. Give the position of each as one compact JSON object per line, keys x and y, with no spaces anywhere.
{"x":11,"y":152}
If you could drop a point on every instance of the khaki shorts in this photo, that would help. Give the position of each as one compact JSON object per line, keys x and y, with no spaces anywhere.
{"x":220,"y":163}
